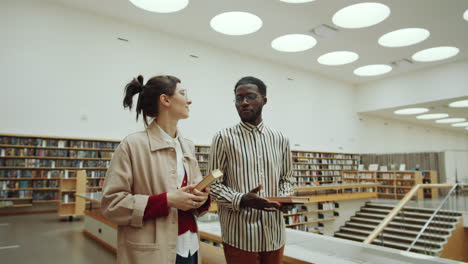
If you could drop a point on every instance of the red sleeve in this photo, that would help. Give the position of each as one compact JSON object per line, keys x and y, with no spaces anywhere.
{"x":205,"y":206}
{"x":156,"y":207}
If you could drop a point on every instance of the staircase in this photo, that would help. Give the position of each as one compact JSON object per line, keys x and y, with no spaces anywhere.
{"x":403,"y":229}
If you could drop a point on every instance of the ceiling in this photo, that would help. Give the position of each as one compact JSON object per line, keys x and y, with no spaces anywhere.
{"x":443,"y":18}
{"x":440,"y":106}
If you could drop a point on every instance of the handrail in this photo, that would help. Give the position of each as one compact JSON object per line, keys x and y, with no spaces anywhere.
{"x":399,"y":207}
{"x":433,"y":215}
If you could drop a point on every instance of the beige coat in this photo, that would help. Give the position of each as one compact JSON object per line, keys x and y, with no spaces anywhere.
{"x":145,"y":164}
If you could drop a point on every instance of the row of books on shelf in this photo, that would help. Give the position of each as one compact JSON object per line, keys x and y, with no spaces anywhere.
{"x":203,"y":157}
{"x":29,"y":184}
{"x":383,"y":190}
{"x":202,"y":149}
{"x":37,"y":163}
{"x":296,"y":209}
{"x":391,"y":176}
{"x":316,"y":173}
{"x":348,"y":175}
{"x":321,"y":167}
{"x":317,"y":179}
{"x":326,"y":161}
{"x":60,"y":143}
{"x":95,"y":182}
{"x":18,"y":152}
{"x":327,"y":205}
{"x":30,"y":194}
{"x":15,"y":174}
{"x":324,"y":155}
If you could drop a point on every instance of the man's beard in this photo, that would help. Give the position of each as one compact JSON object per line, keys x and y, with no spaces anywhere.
{"x":253,"y":117}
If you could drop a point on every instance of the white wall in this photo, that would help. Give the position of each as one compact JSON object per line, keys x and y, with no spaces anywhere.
{"x":59,"y":64}
{"x":443,"y":82}
{"x":456,"y":166}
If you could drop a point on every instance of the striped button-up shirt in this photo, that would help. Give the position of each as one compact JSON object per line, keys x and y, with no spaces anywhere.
{"x":250,"y":155}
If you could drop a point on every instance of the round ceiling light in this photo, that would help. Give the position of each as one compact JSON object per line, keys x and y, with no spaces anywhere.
{"x":411,"y":111}
{"x":293,"y":43}
{"x":338,"y":58}
{"x":435,"y":54}
{"x":450,"y":120}
{"x":465,"y":15}
{"x":432,"y":116}
{"x":404,"y":37}
{"x":361,"y":15}
{"x":372,"y":70}
{"x":297,"y":1}
{"x":236,"y":23}
{"x":463,"y":103}
{"x":161,"y":6}
{"x":465,"y":124}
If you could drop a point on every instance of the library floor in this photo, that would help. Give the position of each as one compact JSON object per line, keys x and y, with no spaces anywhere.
{"x":45,"y":239}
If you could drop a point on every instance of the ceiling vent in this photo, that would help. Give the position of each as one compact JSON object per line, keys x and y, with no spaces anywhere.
{"x":324,"y":31}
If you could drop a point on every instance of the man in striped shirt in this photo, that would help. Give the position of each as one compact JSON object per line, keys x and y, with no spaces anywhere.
{"x":256,"y":161}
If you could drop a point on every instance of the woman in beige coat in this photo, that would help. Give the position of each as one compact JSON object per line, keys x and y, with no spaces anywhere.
{"x":149,"y":187}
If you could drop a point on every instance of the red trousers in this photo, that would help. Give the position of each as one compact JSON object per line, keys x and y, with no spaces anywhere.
{"x":235,"y":256}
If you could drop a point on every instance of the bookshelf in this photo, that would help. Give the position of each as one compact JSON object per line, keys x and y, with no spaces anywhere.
{"x":70,"y":185}
{"x":202,"y":153}
{"x":312,"y":168}
{"x":39,"y":169}
{"x":311,"y":217}
{"x":395,"y":184}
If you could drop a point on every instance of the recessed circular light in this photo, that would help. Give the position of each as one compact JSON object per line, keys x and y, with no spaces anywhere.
{"x":338,"y":58}
{"x":297,"y":1}
{"x":466,"y":128}
{"x":410,"y":111}
{"x":450,"y":120}
{"x":161,"y":6}
{"x":404,"y":37}
{"x":236,"y":23}
{"x":463,"y":103}
{"x":361,"y":15}
{"x":465,"y":124}
{"x":373,"y":70}
{"x":293,"y":43}
{"x":432,"y":116}
{"x":465,"y":15}
{"x":435,"y":54}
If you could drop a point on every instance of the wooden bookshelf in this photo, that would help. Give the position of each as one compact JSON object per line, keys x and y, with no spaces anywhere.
{"x":69,"y":187}
{"x":311,"y":217}
{"x":318,"y":168}
{"x":43,"y":168}
{"x":395,"y":184}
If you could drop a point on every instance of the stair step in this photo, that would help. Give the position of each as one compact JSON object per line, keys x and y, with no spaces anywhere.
{"x":388,"y":243}
{"x":409,"y":219}
{"x":423,"y":239}
{"x":427,"y":232}
{"x":409,"y":208}
{"x":393,"y":223}
{"x":413,"y":214}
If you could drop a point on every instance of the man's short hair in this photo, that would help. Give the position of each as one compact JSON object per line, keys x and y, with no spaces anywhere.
{"x":252,"y":80}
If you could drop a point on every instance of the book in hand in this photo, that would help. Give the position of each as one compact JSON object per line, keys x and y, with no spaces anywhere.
{"x":289,"y":199}
{"x":209,"y":179}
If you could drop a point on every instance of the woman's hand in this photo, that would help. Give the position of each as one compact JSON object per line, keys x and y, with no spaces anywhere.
{"x":184,"y":198}
{"x":204,"y":195}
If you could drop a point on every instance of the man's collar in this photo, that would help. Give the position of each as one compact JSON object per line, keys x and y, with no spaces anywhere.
{"x":249,"y":127}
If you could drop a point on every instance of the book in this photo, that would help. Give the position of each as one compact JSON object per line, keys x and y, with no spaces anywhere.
{"x":209,"y":179}
{"x":289,"y":199}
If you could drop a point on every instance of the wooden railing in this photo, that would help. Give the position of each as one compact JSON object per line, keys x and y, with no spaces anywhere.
{"x":399,"y":207}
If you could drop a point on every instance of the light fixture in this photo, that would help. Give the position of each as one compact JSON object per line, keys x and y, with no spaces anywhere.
{"x":432,"y":116}
{"x":338,"y":58}
{"x":236,"y":23}
{"x":411,"y":111}
{"x":465,"y":15}
{"x":293,"y":43}
{"x":372,"y":70}
{"x":361,"y":15}
{"x":463,"y":103}
{"x":161,"y":6}
{"x":450,"y":120}
{"x":464,"y":124}
{"x":297,"y":1}
{"x":466,"y":128}
{"x":404,"y":37}
{"x":435,"y":54}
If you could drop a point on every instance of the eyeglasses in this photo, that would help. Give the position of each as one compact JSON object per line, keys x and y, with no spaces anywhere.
{"x":249,"y":98}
